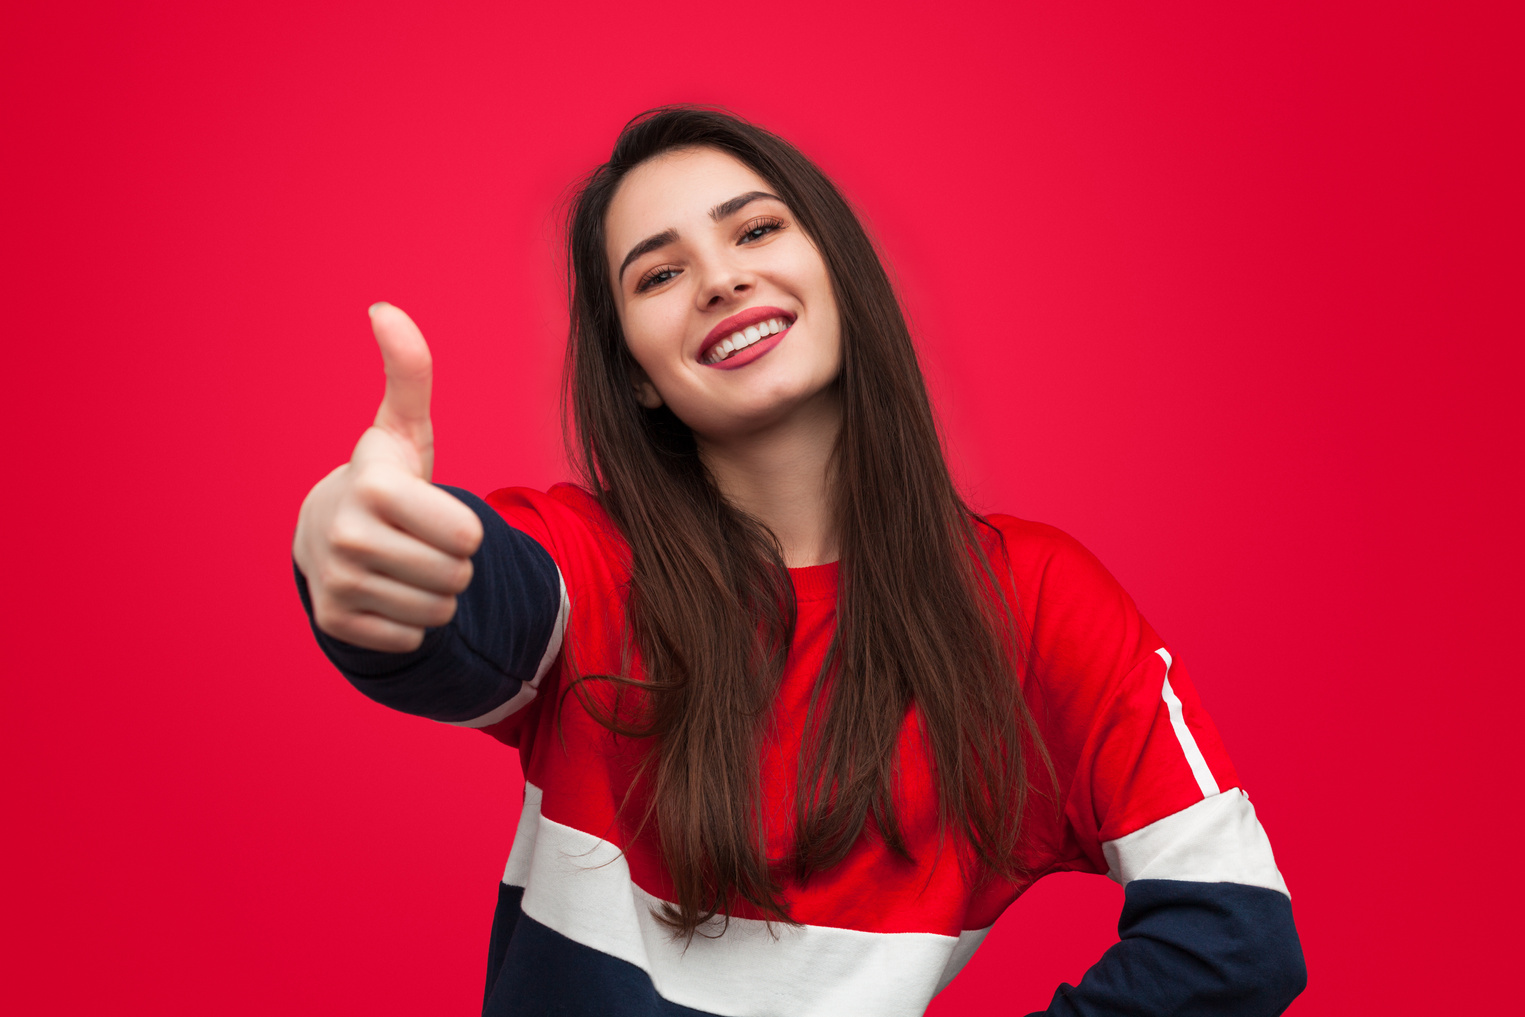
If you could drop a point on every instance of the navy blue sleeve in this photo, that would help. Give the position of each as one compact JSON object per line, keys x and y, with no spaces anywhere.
{"x":465,"y":669}
{"x":1193,"y":950}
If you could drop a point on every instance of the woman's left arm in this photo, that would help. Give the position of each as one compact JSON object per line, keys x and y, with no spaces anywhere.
{"x":1151,"y":799}
{"x":1206,"y":927}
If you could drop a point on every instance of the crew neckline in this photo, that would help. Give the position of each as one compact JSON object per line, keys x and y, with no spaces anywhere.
{"x":815,"y":582}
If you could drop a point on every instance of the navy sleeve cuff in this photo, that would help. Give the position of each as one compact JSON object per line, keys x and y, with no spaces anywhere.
{"x":1194,"y":950}
{"x":463,"y":670}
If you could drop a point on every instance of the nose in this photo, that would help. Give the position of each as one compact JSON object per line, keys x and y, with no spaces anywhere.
{"x":724,"y":281}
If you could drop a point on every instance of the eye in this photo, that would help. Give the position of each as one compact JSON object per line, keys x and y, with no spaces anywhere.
{"x":759,"y":228}
{"x":656,"y":277}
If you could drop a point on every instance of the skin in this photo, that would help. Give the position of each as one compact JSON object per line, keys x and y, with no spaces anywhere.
{"x":766,"y":429}
{"x":385,"y":553}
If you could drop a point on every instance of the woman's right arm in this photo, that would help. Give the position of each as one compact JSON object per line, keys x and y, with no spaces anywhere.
{"x":423,"y":597}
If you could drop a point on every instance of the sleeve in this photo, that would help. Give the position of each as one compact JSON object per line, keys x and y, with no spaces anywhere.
{"x":487,"y":663}
{"x":1153,"y":801}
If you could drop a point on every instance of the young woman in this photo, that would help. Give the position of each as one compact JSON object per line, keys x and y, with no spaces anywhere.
{"x":796,"y":724}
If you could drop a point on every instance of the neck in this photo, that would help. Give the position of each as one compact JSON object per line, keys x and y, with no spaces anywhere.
{"x":781,"y":476}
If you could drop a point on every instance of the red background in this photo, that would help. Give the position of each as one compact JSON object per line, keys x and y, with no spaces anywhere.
{"x":1230,"y":292}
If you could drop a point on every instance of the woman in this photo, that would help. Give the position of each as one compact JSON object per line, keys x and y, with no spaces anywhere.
{"x":796,"y":725}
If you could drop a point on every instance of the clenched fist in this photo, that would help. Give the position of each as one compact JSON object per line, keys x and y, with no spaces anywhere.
{"x":384,"y":551}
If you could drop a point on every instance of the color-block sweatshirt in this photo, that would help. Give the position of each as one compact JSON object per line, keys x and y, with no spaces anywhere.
{"x":1147,"y":797}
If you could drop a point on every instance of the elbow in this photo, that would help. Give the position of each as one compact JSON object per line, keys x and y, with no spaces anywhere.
{"x":1214,"y":948}
{"x":1264,"y":970}
{"x":1277,"y":973}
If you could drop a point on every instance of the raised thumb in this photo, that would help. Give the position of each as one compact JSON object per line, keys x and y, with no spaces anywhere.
{"x":410,"y":373}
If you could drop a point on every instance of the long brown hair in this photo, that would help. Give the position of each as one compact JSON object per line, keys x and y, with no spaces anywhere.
{"x":921,"y":621}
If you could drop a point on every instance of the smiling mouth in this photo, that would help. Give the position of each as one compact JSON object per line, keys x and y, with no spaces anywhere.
{"x":738,"y":341}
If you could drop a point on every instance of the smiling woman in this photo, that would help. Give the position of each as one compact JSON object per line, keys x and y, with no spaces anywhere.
{"x":796,"y":724}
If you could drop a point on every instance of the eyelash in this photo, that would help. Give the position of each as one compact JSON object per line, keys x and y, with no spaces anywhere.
{"x":766,"y":223}
{"x":651,"y":279}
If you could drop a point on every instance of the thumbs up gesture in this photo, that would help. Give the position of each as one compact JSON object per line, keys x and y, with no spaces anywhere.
{"x":384,"y":551}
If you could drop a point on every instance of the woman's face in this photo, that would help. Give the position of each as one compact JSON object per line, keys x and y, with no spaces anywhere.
{"x":726,"y":304}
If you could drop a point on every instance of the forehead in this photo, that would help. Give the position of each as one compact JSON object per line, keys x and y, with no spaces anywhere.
{"x":674,"y":190}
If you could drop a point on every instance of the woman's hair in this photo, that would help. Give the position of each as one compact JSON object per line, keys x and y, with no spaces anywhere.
{"x":922,"y":629}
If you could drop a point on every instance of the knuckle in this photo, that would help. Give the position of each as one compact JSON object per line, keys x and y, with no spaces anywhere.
{"x":322,"y":578}
{"x":460,"y":531}
{"x":340,"y":583}
{"x":408,"y":639}
{"x":442,"y":611}
{"x":332,"y":621}
{"x":460,"y":576}
{"x":349,"y":535}
{"x":471,"y":535}
{"x":370,"y":484}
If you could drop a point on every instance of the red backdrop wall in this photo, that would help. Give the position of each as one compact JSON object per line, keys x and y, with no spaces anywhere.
{"x":1230,"y":292}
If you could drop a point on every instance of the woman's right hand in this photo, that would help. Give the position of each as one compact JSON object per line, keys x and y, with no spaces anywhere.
{"x":384,"y":551}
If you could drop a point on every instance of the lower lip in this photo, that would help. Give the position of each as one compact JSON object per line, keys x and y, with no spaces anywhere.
{"x":751,"y":353}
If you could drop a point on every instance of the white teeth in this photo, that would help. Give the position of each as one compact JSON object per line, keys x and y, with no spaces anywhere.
{"x":741,"y":340}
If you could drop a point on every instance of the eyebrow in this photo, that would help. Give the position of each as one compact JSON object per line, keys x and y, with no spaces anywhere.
{"x":651,"y":243}
{"x":724,"y":210}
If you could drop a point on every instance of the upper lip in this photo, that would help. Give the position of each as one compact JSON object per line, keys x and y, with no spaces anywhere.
{"x":739,"y":321}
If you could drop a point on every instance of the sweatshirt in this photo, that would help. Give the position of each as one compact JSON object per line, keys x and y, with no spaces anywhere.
{"x":1147,"y":796}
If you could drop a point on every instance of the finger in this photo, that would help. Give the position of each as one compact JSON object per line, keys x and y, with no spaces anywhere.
{"x":435,"y":517}
{"x":409,"y":367}
{"x":373,"y":632}
{"x":374,"y":546}
{"x":406,"y":605}
{"x":379,"y":445}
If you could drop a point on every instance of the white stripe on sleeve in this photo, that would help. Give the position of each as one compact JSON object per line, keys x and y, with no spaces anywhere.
{"x":1217,"y":840}
{"x":528,"y":690}
{"x":1194,"y":757}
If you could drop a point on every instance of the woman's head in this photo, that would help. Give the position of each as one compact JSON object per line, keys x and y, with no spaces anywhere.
{"x":697,"y":217}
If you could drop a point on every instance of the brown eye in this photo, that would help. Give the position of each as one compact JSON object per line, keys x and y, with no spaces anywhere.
{"x":759,"y":228}
{"x":655,"y":278}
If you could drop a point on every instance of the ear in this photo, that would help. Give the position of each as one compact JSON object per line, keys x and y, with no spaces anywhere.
{"x":645,"y":392}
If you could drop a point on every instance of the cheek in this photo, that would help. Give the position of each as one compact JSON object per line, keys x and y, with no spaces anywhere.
{"x":825,"y":301}
{"x":809,"y":268}
{"x":832,"y":326}
{"x":654,"y":337}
